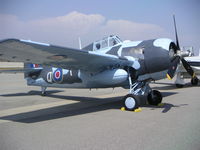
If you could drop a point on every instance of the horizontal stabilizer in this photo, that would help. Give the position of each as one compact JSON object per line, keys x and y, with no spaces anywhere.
{"x":10,"y":67}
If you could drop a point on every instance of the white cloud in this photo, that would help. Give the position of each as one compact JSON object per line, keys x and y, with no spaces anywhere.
{"x":132,"y":30}
{"x":65,"y":30}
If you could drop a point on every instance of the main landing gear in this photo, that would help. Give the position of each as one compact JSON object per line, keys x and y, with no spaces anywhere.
{"x":138,"y":90}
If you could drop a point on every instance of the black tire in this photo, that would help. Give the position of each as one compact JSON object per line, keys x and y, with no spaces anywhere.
{"x":131,"y":102}
{"x":154,"y":97}
{"x":179,"y":85}
{"x":43,"y":93}
{"x":194,"y":81}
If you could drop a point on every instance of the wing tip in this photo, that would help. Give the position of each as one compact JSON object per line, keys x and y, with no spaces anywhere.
{"x":8,"y":39}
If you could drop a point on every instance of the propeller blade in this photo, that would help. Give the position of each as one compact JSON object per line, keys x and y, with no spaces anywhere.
{"x":172,"y":68}
{"x":188,"y":68}
{"x":177,"y":42}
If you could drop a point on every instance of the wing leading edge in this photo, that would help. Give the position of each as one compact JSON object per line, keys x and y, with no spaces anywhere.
{"x":14,"y":50}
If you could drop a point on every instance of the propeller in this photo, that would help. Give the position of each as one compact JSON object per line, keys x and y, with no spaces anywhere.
{"x":188,"y":67}
{"x":177,"y":58}
{"x":173,"y":66}
{"x":177,"y":43}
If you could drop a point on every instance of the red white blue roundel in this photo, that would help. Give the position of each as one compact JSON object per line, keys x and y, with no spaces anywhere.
{"x":58,"y":75}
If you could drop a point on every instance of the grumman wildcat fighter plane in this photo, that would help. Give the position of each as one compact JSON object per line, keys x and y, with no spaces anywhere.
{"x":106,"y":63}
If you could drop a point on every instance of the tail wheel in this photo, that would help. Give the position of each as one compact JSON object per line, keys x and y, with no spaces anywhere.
{"x":43,"y":90}
{"x":43,"y":93}
{"x":194,"y":81}
{"x":154,"y":97}
{"x":131,"y":102}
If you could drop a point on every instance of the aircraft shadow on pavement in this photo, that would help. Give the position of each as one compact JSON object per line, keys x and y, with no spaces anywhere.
{"x":90,"y":105}
{"x":170,"y":86}
{"x":30,"y":93}
{"x":166,"y":107}
{"x":67,"y":110}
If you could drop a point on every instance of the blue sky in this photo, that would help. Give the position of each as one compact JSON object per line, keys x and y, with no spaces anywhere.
{"x":153,"y":17}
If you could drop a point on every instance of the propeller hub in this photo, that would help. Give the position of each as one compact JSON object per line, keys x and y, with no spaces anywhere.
{"x":183,"y":53}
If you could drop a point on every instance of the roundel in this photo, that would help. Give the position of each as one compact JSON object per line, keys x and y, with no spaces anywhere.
{"x":58,"y":75}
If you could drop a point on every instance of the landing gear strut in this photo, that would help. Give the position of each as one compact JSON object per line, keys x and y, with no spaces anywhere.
{"x":43,"y":90}
{"x":138,"y":90}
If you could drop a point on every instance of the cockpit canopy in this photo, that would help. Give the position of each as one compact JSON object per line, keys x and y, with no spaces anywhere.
{"x":106,"y":42}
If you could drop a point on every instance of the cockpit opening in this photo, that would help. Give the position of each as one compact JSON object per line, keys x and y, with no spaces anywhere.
{"x":106,"y":42}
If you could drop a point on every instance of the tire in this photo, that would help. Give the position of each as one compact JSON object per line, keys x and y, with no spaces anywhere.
{"x":179,"y":85}
{"x":194,"y":81}
{"x":43,"y":93}
{"x":131,"y":102}
{"x":154,"y":97}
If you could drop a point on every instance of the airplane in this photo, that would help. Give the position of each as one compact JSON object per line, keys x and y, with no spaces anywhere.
{"x":194,"y":62}
{"x":106,"y":63}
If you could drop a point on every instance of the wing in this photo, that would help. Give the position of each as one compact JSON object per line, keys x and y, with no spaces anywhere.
{"x":14,"y":50}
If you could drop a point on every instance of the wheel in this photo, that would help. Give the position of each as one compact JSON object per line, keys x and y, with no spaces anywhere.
{"x":43,"y":94}
{"x":194,"y":81}
{"x":154,"y":97}
{"x":179,"y":85}
{"x":43,"y":91}
{"x":130,"y":102}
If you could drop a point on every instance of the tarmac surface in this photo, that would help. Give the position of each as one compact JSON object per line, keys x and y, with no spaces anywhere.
{"x":76,"y":119}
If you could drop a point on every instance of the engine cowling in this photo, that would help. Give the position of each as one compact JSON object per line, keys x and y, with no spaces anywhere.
{"x":157,"y":56}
